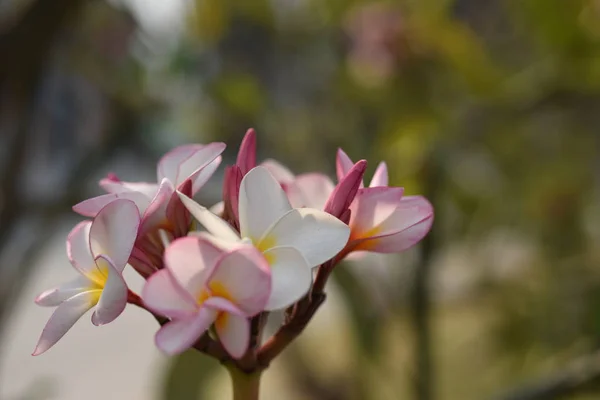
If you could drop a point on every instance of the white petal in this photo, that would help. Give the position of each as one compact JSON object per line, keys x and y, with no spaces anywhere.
{"x":113,"y":300}
{"x":178,"y":335}
{"x":63,"y":318}
{"x":53,"y":297}
{"x":317,"y":235}
{"x":244,"y":277}
{"x":91,"y":207}
{"x":380,"y":177}
{"x":163,"y":295}
{"x":291,"y":277}
{"x":234,"y":333}
{"x":262,"y":202}
{"x":114,"y":231}
{"x":78,"y":249}
{"x":279,"y":171}
{"x":213,"y":223}
{"x":192,"y":260}
{"x":310,"y":190}
{"x":218,"y":208}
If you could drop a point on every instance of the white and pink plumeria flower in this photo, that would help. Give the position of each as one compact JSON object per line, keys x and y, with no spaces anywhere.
{"x":185,"y":168}
{"x":293,"y":240}
{"x":203,"y":286}
{"x":99,"y":251}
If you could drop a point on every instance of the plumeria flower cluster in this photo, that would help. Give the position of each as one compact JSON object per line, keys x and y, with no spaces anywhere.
{"x":213,"y":275}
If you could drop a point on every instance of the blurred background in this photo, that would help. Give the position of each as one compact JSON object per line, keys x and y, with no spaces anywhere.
{"x":491,"y":109}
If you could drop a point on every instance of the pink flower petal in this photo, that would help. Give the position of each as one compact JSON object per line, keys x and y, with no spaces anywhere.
{"x":262,"y":203}
{"x":53,"y":297}
{"x":291,"y":277}
{"x":407,"y":225}
{"x":244,"y":277}
{"x":156,"y":213}
{"x":91,"y":207}
{"x":168,"y":165}
{"x":371,"y":207}
{"x":113,"y":299}
{"x":63,"y":318}
{"x":192,"y":260}
{"x":281,"y":173}
{"x":380,"y":177}
{"x":147,"y":189}
{"x":179,"y":335}
{"x":345,"y":191}
{"x":200,"y":165}
{"x":78,"y":249}
{"x":310,"y":190}
{"x":114,"y":231}
{"x":234,"y":334}
{"x":317,"y":235}
{"x":246,"y":159}
{"x":163,"y":295}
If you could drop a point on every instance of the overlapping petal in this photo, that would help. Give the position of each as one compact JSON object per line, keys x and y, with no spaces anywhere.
{"x":234,"y":333}
{"x":113,"y":299}
{"x":213,"y":223}
{"x":163,"y":295}
{"x":291,"y":277}
{"x":114,"y":230}
{"x":243,"y":277}
{"x":91,"y":207}
{"x":63,"y":318}
{"x":317,"y":235}
{"x":310,"y":190}
{"x":191,"y":261}
{"x":262,"y":203}
{"x":78,"y":248}
{"x":178,"y":335}
{"x":53,"y":297}
{"x":371,"y":207}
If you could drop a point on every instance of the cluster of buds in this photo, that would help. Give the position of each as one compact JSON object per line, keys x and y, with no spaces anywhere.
{"x":271,"y":244}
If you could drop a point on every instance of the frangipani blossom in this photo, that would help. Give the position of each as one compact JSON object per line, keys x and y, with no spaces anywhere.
{"x":99,"y":251}
{"x":185,"y":168}
{"x":203,"y":285}
{"x":292,"y":240}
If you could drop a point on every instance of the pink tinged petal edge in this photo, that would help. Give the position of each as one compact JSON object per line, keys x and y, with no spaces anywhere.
{"x":281,"y":173}
{"x":310,"y":190}
{"x":213,"y":223}
{"x":180,"y":334}
{"x":177,"y":214}
{"x":246,"y":159}
{"x":145,"y":188}
{"x":371,"y":207}
{"x":163,"y":295}
{"x":156,"y":213}
{"x":245,"y":275}
{"x":91,"y":207}
{"x":404,"y":228}
{"x":63,"y":318}
{"x":200,"y":165}
{"x":234,"y":334}
{"x":114,"y":231}
{"x":192,"y":260}
{"x":53,"y":297}
{"x":380,"y":177}
{"x":231,"y":193}
{"x":78,"y":249}
{"x":113,"y":299}
{"x":262,"y":202}
{"x":291,"y":277}
{"x":317,"y":235}
{"x":345,"y":191}
{"x":168,"y":165}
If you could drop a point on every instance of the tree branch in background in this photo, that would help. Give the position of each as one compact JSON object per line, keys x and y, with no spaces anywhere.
{"x":577,"y":377}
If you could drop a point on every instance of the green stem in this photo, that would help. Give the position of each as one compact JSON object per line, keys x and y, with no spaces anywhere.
{"x":245,"y":385}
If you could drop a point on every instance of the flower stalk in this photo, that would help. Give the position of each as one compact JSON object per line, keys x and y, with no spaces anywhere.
{"x":245,"y":385}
